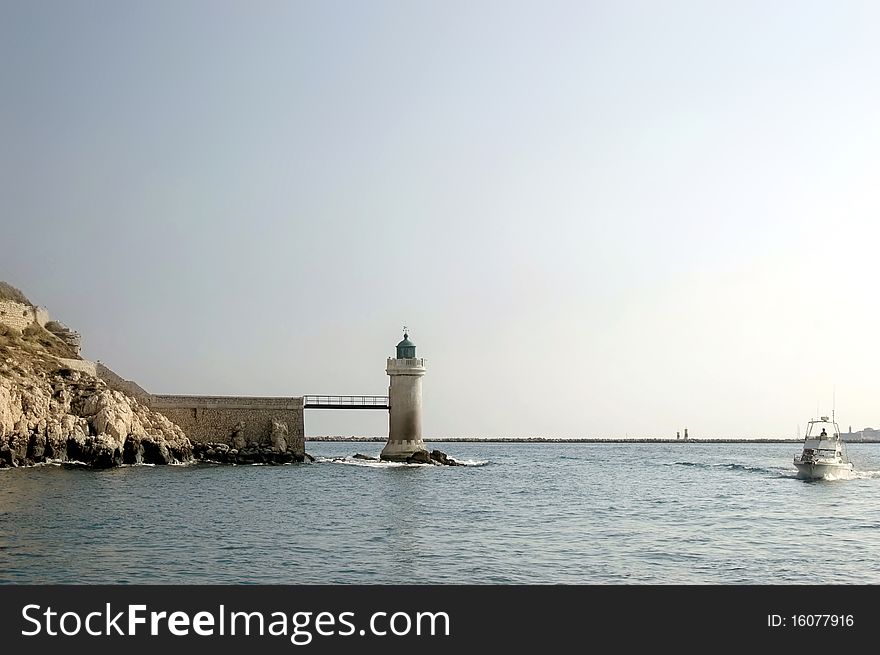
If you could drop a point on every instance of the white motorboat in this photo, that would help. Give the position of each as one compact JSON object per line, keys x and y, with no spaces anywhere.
{"x":823,"y":455}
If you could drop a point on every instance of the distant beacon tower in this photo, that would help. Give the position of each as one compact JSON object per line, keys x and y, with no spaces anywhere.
{"x":404,"y":402}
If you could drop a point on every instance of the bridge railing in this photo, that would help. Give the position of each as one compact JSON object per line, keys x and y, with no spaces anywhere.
{"x":345,"y":402}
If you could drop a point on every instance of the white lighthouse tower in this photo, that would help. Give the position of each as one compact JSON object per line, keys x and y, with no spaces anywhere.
{"x":404,"y":402}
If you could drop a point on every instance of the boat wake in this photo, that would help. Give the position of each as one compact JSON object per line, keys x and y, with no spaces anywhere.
{"x":380,"y":464}
{"x":855,"y":475}
{"x":781,"y":471}
{"x":867,"y":475}
{"x":734,"y":466}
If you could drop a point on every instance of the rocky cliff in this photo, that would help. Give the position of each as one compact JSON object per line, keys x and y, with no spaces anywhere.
{"x":56,"y":406}
{"x":50,"y":412}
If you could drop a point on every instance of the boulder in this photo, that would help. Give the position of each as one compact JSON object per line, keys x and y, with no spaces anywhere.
{"x":442,"y":458}
{"x":102,"y":451}
{"x":156,"y":451}
{"x":420,"y":457}
{"x":434,"y":457}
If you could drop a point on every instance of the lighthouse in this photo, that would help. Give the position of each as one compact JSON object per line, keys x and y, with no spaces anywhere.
{"x":404,"y":402}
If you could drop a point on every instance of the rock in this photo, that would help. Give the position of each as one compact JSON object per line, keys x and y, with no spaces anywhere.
{"x":419,"y":457}
{"x":36,"y":447}
{"x":368,"y":457}
{"x":47,"y":412}
{"x":443,"y":459}
{"x":434,"y":457}
{"x":156,"y":451}
{"x":113,"y":415}
{"x":102,"y":451}
{"x":6,"y":456}
{"x":252,"y":454}
{"x":133,"y":452}
{"x":9,"y":410}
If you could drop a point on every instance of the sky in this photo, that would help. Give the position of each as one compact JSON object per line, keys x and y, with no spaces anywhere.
{"x":597,"y":219}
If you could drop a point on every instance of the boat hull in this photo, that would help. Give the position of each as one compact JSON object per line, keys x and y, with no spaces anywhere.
{"x":819,"y":470}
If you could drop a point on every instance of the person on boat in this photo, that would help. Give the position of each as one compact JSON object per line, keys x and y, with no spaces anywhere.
{"x":823,"y":434}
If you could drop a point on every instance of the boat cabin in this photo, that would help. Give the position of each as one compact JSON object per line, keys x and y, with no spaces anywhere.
{"x":822,"y":438}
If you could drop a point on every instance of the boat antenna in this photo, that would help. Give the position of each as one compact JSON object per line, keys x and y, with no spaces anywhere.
{"x":833,"y":400}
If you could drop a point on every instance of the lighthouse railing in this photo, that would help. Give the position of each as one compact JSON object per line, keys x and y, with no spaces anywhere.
{"x":414,"y":362}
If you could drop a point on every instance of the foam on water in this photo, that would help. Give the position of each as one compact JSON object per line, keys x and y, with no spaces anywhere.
{"x":381,"y":464}
{"x":855,"y":475}
{"x":844,"y":476}
{"x":366,"y":463}
{"x":471,"y":462}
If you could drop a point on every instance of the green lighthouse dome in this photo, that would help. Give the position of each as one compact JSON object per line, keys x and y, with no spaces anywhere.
{"x":406,"y":349}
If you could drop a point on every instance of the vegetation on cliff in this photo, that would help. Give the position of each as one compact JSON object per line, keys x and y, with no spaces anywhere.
{"x":9,"y":292}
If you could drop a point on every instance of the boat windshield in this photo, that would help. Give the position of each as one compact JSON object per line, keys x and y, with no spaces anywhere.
{"x":822,"y":429}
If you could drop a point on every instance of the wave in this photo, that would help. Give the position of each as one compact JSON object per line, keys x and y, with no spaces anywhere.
{"x":781,"y":471}
{"x":750,"y":469}
{"x":367,"y":463}
{"x":866,"y":475}
{"x":72,"y":463}
{"x":470,"y":462}
{"x":77,"y":464}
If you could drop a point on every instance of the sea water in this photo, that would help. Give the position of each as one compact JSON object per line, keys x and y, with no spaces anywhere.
{"x":517,"y":513}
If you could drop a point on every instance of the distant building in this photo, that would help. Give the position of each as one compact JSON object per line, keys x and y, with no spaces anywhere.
{"x":863,"y":435}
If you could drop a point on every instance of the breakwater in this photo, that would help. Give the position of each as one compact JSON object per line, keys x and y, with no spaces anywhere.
{"x":547,"y":440}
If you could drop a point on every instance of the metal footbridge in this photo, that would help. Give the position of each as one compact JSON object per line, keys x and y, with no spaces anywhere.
{"x":345,"y":402}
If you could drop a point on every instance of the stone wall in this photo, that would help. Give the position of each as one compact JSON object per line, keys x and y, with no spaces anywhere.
{"x":81,"y":365}
{"x":41,"y":315}
{"x":237,"y":422}
{"x":19,"y":316}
